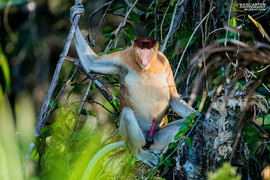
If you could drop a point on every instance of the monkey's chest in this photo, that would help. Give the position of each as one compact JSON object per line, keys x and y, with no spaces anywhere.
{"x":148,"y":94}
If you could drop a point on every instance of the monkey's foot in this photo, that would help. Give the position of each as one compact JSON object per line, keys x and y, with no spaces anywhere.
{"x":147,"y":158}
{"x":157,"y":153}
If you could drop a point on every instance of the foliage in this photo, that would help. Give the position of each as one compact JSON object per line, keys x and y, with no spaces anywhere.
{"x":225,"y":172}
{"x":15,"y":138}
{"x":5,"y":70}
{"x":31,"y":45}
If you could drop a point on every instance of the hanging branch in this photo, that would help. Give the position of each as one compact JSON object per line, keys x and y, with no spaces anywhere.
{"x":178,"y":4}
{"x":93,"y":35}
{"x":83,"y":102}
{"x":179,"y":17}
{"x":183,"y":53}
{"x":164,"y":16}
{"x":45,"y":105}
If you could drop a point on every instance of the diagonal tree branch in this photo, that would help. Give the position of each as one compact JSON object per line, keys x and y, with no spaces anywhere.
{"x":45,"y":105}
{"x":104,"y":91}
{"x":44,"y":109}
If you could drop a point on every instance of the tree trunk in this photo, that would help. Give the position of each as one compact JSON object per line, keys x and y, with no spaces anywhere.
{"x":212,"y":140}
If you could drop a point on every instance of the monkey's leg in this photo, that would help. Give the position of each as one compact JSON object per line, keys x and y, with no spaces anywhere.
{"x":165,"y":135}
{"x":134,"y":138}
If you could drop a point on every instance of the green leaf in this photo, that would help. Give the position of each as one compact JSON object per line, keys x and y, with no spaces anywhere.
{"x":225,"y":172}
{"x":108,"y":29}
{"x":172,"y":145}
{"x":130,"y":31}
{"x":134,"y":17}
{"x":87,"y":112}
{"x":189,"y":143}
{"x":117,"y":5}
{"x":182,"y":42}
{"x":233,"y":22}
{"x":116,"y":105}
{"x":93,"y":86}
{"x":133,"y":160}
{"x":141,"y":7}
{"x":240,"y":86}
{"x":183,"y":129}
{"x":127,"y":38}
{"x":53,"y":105}
{"x":172,"y":2}
{"x":153,"y":30}
{"x":45,"y":131}
{"x":5,"y":69}
{"x":71,"y":72}
{"x":218,"y":79}
{"x":115,"y":50}
{"x":109,"y":36}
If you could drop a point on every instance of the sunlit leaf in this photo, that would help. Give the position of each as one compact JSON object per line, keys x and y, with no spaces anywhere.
{"x":134,"y":17}
{"x":259,"y":26}
{"x":108,"y":29}
{"x":5,"y":69}
{"x":117,"y":105}
{"x":225,"y":172}
{"x":88,"y":112}
{"x":115,"y":50}
{"x":233,"y":23}
{"x":54,"y":104}
{"x":127,"y":38}
{"x":183,"y":129}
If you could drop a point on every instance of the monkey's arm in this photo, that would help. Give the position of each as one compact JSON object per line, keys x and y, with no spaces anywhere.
{"x":105,"y":64}
{"x":177,"y":104}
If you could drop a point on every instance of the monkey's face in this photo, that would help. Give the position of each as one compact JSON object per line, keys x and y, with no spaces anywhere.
{"x":145,"y":50}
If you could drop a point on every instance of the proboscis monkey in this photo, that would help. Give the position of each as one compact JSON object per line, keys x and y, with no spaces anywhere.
{"x":147,"y":90}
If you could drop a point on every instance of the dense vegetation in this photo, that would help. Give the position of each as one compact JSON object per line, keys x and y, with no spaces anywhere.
{"x":209,"y":44}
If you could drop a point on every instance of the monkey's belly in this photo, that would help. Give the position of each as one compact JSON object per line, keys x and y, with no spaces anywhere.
{"x":149,"y":95}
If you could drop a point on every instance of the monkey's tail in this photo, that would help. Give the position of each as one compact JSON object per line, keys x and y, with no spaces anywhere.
{"x":99,"y":155}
